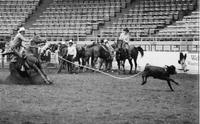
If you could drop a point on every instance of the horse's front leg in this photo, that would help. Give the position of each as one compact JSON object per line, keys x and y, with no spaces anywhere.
{"x":123,"y":66}
{"x":100,"y":64}
{"x":135,"y":62}
{"x":60,"y":66}
{"x":95,"y":62}
{"x":118,"y":64}
{"x":131,"y":66}
{"x":42,"y":74}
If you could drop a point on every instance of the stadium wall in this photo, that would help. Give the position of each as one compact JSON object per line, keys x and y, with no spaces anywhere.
{"x":161,"y":59}
{"x":157,"y":59}
{"x":169,"y":58}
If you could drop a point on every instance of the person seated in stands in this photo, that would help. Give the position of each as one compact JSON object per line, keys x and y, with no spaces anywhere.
{"x":71,"y":54}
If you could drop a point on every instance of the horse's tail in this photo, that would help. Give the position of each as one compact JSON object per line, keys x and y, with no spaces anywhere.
{"x":141,"y":50}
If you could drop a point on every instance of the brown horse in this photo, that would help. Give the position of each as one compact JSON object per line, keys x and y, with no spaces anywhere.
{"x":2,"y":46}
{"x":26,"y":70}
{"x":95,"y":51}
{"x":122,"y":54}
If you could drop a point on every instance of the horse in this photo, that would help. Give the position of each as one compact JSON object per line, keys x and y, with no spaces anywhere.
{"x":122,"y":55}
{"x":95,"y":51}
{"x":22,"y":70}
{"x":2,"y":46}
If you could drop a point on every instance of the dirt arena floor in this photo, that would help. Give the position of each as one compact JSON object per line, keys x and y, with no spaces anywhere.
{"x":92,"y":98}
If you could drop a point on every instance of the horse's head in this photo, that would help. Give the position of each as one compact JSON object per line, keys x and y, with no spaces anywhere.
{"x":52,"y":47}
{"x":80,"y":51}
{"x":120,"y":53}
{"x":2,"y":46}
{"x":119,"y":43}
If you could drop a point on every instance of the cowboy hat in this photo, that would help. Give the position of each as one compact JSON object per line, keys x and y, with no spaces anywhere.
{"x":105,"y":40}
{"x":70,"y":41}
{"x":21,"y":29}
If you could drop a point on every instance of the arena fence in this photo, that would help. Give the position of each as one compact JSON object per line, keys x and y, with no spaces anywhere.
{"x":147,"y":46}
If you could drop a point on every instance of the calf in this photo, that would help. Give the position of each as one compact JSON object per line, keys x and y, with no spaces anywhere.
{"x":162,"y":73}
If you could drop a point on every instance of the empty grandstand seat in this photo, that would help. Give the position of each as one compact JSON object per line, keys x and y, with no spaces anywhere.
{"x":13,"y":14}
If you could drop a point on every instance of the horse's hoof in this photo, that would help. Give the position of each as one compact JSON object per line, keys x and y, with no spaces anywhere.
{"x":50,"y":82}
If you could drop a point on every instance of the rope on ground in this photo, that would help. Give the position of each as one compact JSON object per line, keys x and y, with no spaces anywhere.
{"x":110,"y":75}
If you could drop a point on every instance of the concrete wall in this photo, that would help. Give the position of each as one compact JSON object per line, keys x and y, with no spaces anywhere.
{"x":169,"y":58}
{"x":161,"y":59}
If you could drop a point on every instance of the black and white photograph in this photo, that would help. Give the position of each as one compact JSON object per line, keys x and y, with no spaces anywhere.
{"x":99,"y":61}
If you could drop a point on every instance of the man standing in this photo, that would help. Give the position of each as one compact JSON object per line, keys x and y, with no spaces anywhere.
{"x":71,"y":54}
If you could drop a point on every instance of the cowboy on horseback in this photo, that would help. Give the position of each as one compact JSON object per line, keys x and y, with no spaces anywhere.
{"x":24,"y":53}
{"x":124,"y":36}
{"x":15,"y":45}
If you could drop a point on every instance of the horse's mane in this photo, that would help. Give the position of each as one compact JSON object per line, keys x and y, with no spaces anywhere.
{"x":91,"y":45}
{"x":2,"y":45}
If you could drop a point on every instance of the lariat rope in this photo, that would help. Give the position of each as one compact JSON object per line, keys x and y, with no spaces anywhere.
{"x":97,"y":70}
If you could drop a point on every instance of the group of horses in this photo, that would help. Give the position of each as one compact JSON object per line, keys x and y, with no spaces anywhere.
{"x":87,"y":55}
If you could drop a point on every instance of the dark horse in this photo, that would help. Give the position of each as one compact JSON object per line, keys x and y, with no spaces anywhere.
{"x":2,"y":46}
{"x":29,"y":74}
{"x":122,"y":55}
{"x":95,"y":51}
{"x":62,"y":53}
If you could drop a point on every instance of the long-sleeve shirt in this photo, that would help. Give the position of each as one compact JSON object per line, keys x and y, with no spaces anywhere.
{"x":124,"y":37}
{"x":72,"y":51}
{"x":17,"y":41}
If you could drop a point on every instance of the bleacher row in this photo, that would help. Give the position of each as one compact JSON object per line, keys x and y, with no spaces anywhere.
{"x":80,"y":18}
{"x":147,"y":17}
{"x":188,"y":28}
{"x":13,"y":14}
{"x":71,"y":18}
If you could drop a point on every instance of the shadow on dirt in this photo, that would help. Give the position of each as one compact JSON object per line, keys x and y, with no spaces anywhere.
{"x":34,"y":79}
{"x":157,"y":90}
